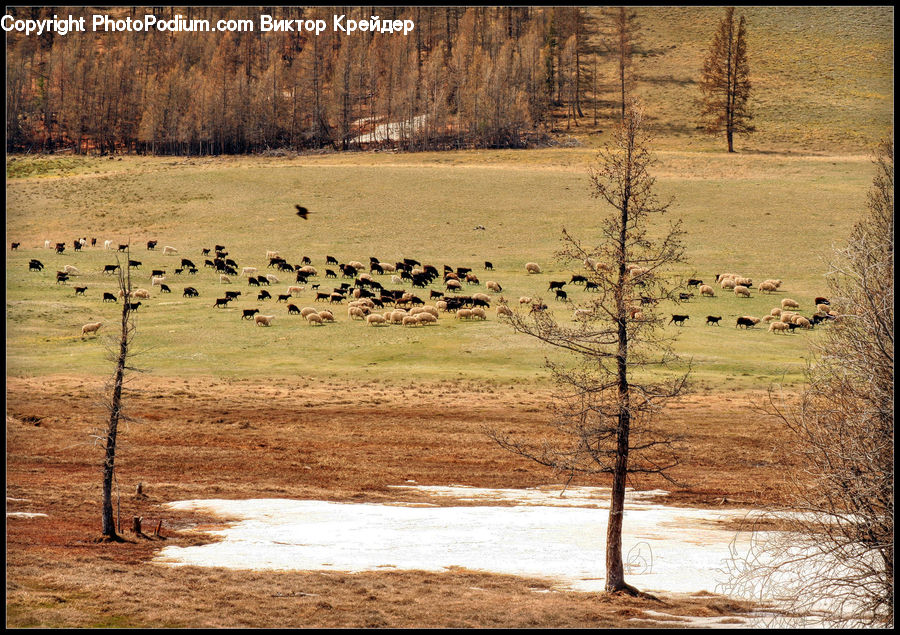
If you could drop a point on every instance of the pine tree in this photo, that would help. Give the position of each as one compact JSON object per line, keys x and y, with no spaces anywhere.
{"x":726,"y":81}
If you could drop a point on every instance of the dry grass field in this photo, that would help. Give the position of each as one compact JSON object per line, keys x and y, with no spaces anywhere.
{"x":223,"y":409}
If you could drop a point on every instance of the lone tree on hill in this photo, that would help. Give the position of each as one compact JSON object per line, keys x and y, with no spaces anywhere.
{"x":605,"y":401}
{"x":726,"y":81}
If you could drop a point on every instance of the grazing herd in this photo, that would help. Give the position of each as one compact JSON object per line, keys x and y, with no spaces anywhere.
{"x":369,"y":301}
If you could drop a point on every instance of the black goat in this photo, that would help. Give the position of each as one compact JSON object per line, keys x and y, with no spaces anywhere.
{"x":679,"y":319}
{"x":712,"y":319}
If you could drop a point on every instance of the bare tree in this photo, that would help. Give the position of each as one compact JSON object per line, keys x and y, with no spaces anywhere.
{"x":606,"y":400}
{"x":725,"y":82}
{"x":114,"y":405}
{"x":835,"y":562}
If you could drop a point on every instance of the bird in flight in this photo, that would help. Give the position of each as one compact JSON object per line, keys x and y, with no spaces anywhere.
{"x":302,"y":212}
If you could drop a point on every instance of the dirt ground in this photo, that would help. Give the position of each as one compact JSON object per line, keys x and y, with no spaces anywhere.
{"x":317,"y":439}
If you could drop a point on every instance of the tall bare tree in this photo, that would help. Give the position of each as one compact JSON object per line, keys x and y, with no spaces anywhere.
{"x":606,"y":400}
{"x":835,"y":561}
{"x":620,"y":35}
{"x":114,"y":405}
{"x":725,"y":82}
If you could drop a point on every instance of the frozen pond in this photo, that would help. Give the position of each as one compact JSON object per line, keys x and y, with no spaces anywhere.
{"x":532,"y":532}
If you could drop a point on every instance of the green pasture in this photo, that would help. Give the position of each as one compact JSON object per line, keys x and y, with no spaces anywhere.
{"x":758,"y":215}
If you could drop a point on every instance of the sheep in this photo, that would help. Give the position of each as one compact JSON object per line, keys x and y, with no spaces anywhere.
{"x":169,"y":251}
{"x":787,"y":316}
{"x":155,"y":282}
{"x":375,"y":319}
{"x":71,"y":270}
{"x":707,"y":290}
{"x":493,"y":286}
{"x":481,"y":296}
{"x":778,"y":327}
{"x":224,"y":279}
{"x":141,"y":293}
{"x":463,"y":314}
{"x":308,"y":270}
{"x":768,"y":318}
{"x":410,"y":320}
{"x":478,"y":312}
{"x":744,"y":282}
{"x":248,"y":271}
{"x":777,"y":283}
{"x":802,"y":322}
{"x":767,"y":287}
{"x":396,"y":316}
{"x":328,"y":316}
{"x":356,"y":313}
{"x":776,"y":312}
{"x":742,"y":291}
{"x":308,"y":310}
{"x":426,"y":318}
{"x":441,"y":305}
{"x":823,"y":307}
{"x":387,"y":267}
{"x":505,"y":310}
{"x":263,"y":320}
{"x":272,"y":279}
{"x":525,"y":300}
{"x":271,"y":254}
{"x":91,"y":327}
{"x":728,"y":283}
{"x":453,"y":285}
{"x":107,"y":244}
{"x":532,"y":267}
{"x":787,"y":302}
{"x":396,"y":280}
{"x":295,"y":289}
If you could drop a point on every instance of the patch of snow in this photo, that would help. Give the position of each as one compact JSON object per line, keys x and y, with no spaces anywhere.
{"x":540,"y":535}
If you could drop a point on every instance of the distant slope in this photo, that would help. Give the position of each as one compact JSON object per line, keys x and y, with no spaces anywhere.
{"x":822,"y":76}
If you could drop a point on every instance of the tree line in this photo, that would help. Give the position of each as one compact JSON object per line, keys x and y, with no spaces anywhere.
{"x":465,"y":77}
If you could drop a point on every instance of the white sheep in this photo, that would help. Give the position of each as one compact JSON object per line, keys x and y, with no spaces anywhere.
{"x":308,"y":270}
{"x":769,"y":318}
{"x":787,"y":316}
{"x":396,"y":280}
{"x":426,"y":318}
{"x":71,"y":269}
{"x":375,"y":319}
{"x":387,"y":267}
{"x":787,"y":302}
{"x":525,"y":300}
{"x":463,"y":314}
{"x":453,"y":284}
{"x":141,"y":293}
{"x":532,"y":267}
{"x":481,"y":296}
{"x":441,"y":305}
{"x":107,"y":244}
{"x":328,"y":316}
{"x":493,"y":286}
{"x":263,"y":320}
{"x":478,"y":312}
{"x":91,"y":327}
{"x":47,"y":244}
{"x":315,"y":318}
{"x":767,"y":287}
{"x":745,"y":282}
{"x":271,"y":254}
{"x":741,"y":291}
{"x":156,"y":281}
{"x":356,"y":313}
{"x":705,"y":289}
{"x":504,"y":310}
{"x":249,"y":271}
{"x":295,"y":289}
{"x":169,"y":251}
{"x":728,"y":283}
{"x":356,"y":265}
{"x":308,"y":310}
{"x":776,"y":312}
{"x":410,"y":320}
{"x":802,"y":322}
{"x":224,"y":279}
{"x":272,"y":279}
{"x":823,"y":307}
{"x":778,"y":327}
{"x":397,"y":316}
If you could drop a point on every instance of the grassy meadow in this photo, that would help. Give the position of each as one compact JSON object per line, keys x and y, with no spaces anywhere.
{"x":760,"y":216}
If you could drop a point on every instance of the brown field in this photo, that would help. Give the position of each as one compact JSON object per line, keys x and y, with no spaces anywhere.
{"x":318,"y":439}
